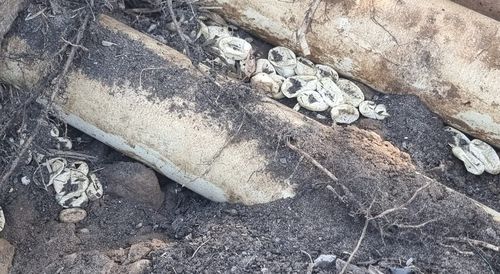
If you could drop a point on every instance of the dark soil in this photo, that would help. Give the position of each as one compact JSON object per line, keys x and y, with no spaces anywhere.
{"x":208,"y":237}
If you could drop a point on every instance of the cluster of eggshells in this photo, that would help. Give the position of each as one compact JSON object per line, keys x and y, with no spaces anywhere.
{"x":316,"y":87}
{"x":477,"y":156}
{"x":73,"y":182}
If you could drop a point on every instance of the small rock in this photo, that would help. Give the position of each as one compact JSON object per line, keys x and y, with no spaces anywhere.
{"x":25,"y":180}
{"x":117,"y":255}
{"x":6,"y":255}
{"x":142,"y":249}
{"x":138,"y":267}
{"x":325,"y":261}
{"x":137,"y":252}
{"x":133,"y":181}
{"x":72,"y":215}
{"x":84,"y":231}
{"x":405,"y":270}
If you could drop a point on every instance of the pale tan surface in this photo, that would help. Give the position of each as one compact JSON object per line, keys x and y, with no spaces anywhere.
{"x":8,"y":13}
{"x":489,"y":8}
{"x":175,"y":146}
{"x":446,"y":54}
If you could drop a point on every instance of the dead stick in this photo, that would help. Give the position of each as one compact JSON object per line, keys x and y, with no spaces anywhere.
{"x":177,"y":27}
{"x":402,"y":206}
{"x":40,"y":119}
{"x":360,"y":240}
{"x":475,"y":242}
{"x":301,"y":32}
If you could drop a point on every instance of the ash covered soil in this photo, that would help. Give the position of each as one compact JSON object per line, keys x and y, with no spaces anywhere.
{"x":194,"y":235}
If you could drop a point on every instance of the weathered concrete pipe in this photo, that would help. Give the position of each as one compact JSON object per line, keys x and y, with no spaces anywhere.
{"x":8,"y":13}
{"x":147,"y":100}
{"x":444,"y":53}
{"x":489,"y":8}
{"x":113,"y":99}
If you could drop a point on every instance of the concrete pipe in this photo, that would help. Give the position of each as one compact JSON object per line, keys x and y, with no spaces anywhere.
{"x":489,"y":8}
{"x":8,"y":13}
{"x":148,"y":101}
{"x":444,"y":53}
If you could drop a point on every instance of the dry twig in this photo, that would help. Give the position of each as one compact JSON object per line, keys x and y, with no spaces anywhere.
{"x":310,"y":265}
{"x":360,"y":240}
{"x":178,"y":27}
{"x":311,"y":159}
{"x":196,"y":251}
{"x":304,"y":27}
{"x":369,"y":218}
{"x":474,"y":242}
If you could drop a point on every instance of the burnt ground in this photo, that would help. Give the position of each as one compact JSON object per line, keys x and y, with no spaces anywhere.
{"x":207,"y":237}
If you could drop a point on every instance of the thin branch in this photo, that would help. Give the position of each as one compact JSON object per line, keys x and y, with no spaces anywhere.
{"x":311,"y":159}
{"x":196,"y":251}
{"x":475,"y":242}
{"x":402,"y":206}
{"x":177,"y":27}
{"x":360,"y":240}
{"x":310,"y":266}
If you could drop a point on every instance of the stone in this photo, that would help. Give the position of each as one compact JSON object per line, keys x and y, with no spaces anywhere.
{"x":6,"y":255}
{"x":72,"y":215}
{"x":140,"y":250}
{"x":137,"y":252}
{"x":325,"y":261}
{"x":133,"y":181}
{"x":404,"y":270}
{"x":117,"y":255}
{"x":138,"y":267}
{"x":82,"y":262}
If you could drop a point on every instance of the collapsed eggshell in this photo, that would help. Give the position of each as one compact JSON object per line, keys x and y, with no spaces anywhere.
{"x":268,"y":84}
{"x":325,"y":71}
{"x":371,"y":110}
{"x":305,"y":67}
{"x":283,"y":60}
{"x":312,"y":100}
{"x":72,"y":215}
{"x":344,"y":114}
{"x":292,"y":86}
{"x":330,"y":92}
{"x":472,"y":164}
{"x":234,"y":48}
{"x":354,"y":95}
{"x":263,"y":65}
{"x":486,"y":155}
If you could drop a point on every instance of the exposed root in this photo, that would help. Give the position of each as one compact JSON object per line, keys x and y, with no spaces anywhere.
{"x":311,"y":159}
{"x":369,"y":218}
{"x":360,"y":240}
